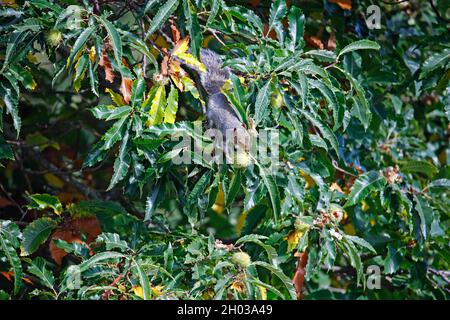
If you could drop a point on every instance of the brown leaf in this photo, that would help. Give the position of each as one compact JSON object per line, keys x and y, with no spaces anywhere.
{"x":299,"y":276}
{"x":125,"y":88}
{"x":106,"y":65}
{"x":175,"y":32}
{"x":344,"y":4}
{"x":314,"y":42}
{"x":331,"y":44}
{"x":72,"y":232}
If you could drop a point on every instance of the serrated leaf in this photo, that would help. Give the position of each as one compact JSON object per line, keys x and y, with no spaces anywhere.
{"x":360,"y":45}
{"x":439,"y":183}
{"x":425,"y":213}
{"x":172,"y":106}
{"x":44,"y":201}
{"x":144,"y":281}
{"x":322,"y":55}
{"x":435,"y":61}
{"x":262,"y":102}
{"x":99,"y":257}
{"x":114,"y":134}
{"x":157,"y":107}
{"x":336,"y":107}
{"x":272,"y":188}
{"x":122,"y":162}
{"x":79,"y":44}
{"x":284,"y":279}
{"x":13,"y":259}
{"x":115,"y":39}
{"x":110,"y":112}
{"x":324,"y":130}
{"x":112,"y":241}
{"x":277,"y":12}
{"x":161,"y":16}
{"x":419,"y":166}
{"x":296,"y":20}
{"x":36,"y":233}
{"x":366,"y":183}
{"x":271,"y":252}
{"x":38,"y":268}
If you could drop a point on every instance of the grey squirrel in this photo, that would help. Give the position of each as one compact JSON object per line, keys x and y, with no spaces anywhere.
{"x":219,"y":113}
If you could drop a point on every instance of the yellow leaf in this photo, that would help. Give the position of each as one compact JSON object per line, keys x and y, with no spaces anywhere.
{"x":309,"y":180}
{"x":117,"y":98}
{"x":157,"y":290}
{"x":293,"y":238}
{"x":219,"y":204}
{"x":32,"y":58}
{"x":364,"y":206}
{"x":137,"y":290}
{"x":263,"y":292}
{"x":181,"y":47}
{"x":53,"y":180}
{"x":350,"y":229}
{"x":241,"y":222}
{"x":156,"y":109}
{"x":92,"y":54}
{"x":189,"y":85}
{"x":192,"y":61}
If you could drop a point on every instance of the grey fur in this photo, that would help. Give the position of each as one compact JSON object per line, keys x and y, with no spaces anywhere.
{"x":220,"y":114}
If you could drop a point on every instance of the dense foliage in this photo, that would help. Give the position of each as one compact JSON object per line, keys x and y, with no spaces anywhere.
{"x":93,"y":93}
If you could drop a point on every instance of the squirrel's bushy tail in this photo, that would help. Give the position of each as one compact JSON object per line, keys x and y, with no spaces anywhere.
{"x":215,"y":76}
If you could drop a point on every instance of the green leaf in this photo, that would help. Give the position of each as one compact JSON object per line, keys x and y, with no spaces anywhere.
{"x":13,"y":259}
{"x":122,"y":162}
{"x":324,"y":130}
{"x":215,"y":6}
{"x":115,"y":39}
{"x":112,"y":241}
{"x":322,"y":55}
{"x":235,"y":186}
{"x":418,"y":166}
{"x":6,"y":151}
{"x":99,"y":257}
{"x":262,"y":102}
{"x":338,"y":110}
{"x":79,"y":43}
{"x":172,"y":106}
{"x":366,"y":183}
{"x":435,"y":61}
{"x":439,"y":183}
{"x":144,"y":282}
{"x":272,"y":188}
{"x":360,"y":104}
{"x":110,"y":112}
{"x":36,"y":233}
{"x":161,"y":16}
{"x":277,"y":12}
{"x":11,"y":100}
{"x":284,"y":279}
{"x":137,"y":91}
{"x":271,"y":252}
{"x":361,"y":242}
{"x":114,"y":134}
{"x":45,"y":201}
{"x":360,"y":45}
{"x":38,"y":268}
{"x":193,"y":27}
{"x":425,"y":213}
{"x":355,"y":260}
{"x":93,"y":79}
{"x":296,"y":20}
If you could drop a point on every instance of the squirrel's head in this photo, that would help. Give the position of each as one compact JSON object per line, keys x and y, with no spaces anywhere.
{"x":215,"y":76}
